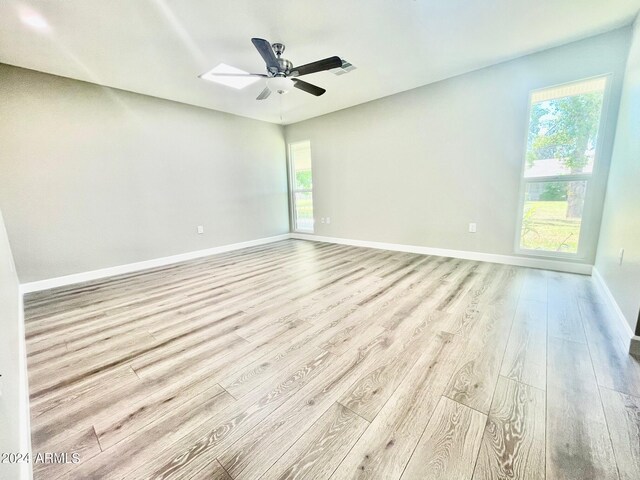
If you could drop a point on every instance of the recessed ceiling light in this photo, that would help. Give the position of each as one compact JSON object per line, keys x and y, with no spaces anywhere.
{"x":235,"y":82}
{"x":33,"y":19}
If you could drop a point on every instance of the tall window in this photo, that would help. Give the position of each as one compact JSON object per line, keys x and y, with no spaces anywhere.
{"x":561,"y":150}
{"x":301,"y":186}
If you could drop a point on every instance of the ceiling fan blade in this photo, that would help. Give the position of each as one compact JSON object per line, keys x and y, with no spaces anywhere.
{"x":266,"y":52}
{"x":307,"y":87}
{"x":264,"y":94}
{"x":238,"y":75}
{"x":319,"y":66}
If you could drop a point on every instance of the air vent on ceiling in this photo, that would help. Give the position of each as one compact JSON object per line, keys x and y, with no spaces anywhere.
{"x":346,"y":67}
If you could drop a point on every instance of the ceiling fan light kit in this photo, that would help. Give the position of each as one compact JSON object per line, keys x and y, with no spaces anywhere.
{"x":280,"y":84}
{"x":281,"y":75}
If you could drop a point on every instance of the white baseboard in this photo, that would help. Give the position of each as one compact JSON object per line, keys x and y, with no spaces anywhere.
{"x":137,"y":266}
{"x":542,"y":263}
{"x":616,"y":308}
{"x":159,"y":262}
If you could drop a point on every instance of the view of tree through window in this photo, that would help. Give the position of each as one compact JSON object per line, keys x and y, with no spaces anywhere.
{"x":561,"y":148}
{"x":302,"y":186}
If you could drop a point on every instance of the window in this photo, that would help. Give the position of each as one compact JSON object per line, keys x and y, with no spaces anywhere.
{"x":562,"y":141}
{"x":301,"y":186}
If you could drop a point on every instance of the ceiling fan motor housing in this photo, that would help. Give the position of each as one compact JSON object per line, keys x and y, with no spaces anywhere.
{"x":285,"y":65}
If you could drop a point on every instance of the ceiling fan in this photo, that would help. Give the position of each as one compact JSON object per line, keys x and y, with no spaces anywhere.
{"x":281,"y":74}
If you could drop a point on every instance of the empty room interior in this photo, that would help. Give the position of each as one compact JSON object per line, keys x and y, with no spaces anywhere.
{"x":392,"y":240}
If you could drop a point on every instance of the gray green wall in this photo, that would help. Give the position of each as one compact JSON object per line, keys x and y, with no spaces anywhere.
{"x":415,"y":168}
{"x":93,"y":177}
{"x":13,"y":430}
{"x":621,"y":219}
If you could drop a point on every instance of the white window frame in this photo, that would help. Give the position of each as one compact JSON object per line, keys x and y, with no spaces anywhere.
{"x":588,"y":222}
{"x":293,"y":190}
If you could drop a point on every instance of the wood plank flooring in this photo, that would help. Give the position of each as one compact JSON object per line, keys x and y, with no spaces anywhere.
{"x":307,"y":360}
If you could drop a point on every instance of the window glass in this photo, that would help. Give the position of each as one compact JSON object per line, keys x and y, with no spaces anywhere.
{"x":561,"y":147}
{"x":553,"y":216}
{"x":301,"y":186}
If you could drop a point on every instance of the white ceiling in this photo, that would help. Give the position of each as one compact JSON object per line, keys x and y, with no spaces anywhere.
{"x":159,"y":47}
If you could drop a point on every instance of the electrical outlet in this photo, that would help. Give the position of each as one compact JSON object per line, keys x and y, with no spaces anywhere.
{"x":321,"y":219}
{"x":472,"y":228}
{"x":328,"y":219}
{"x":620,"y":256}
{"x":200,"y":229}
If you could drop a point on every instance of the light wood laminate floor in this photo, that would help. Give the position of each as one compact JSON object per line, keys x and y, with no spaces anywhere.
{"x":311,"y":360}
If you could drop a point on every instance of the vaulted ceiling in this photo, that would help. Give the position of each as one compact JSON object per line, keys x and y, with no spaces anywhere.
{"x":159,"y":47}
